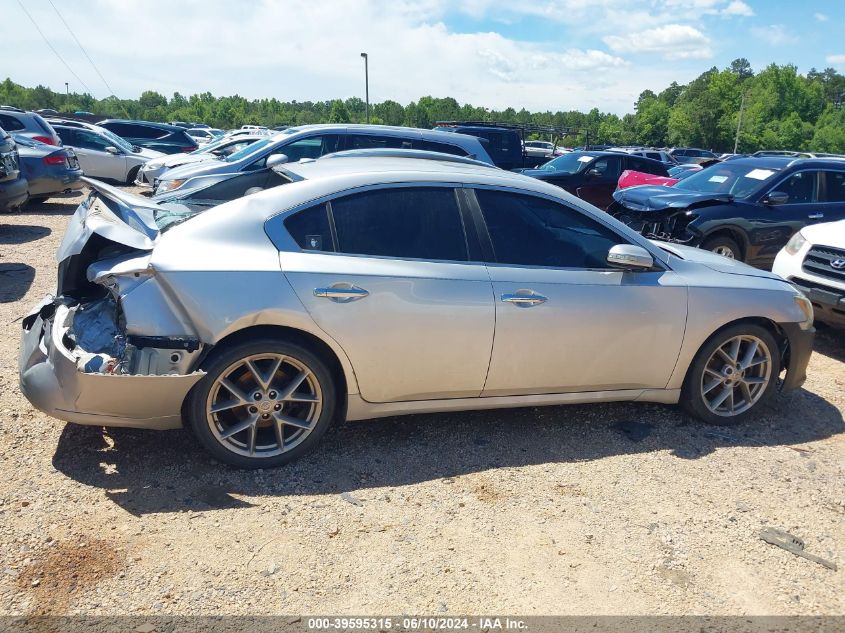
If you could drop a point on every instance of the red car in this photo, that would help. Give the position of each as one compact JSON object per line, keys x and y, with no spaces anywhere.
{"x":631,"y":178}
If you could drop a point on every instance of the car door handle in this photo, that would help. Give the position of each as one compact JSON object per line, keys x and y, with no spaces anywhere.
{"x":350,"y":293}
{"x":815,"y":216}
{"x":524,"y":300}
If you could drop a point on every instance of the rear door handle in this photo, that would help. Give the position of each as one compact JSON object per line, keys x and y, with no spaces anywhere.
{"x":816,"y":216}
{"x":341,"y":294}
{"x":524,"y":300}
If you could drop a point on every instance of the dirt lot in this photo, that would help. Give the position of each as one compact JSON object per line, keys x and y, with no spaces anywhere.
{"x":623,"y":509}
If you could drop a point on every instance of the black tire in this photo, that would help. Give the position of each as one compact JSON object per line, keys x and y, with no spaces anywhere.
{"x":133,"y":173}
{"x":692,"y":399}
{"x":223,"y":361}
{"x":723,"y":243}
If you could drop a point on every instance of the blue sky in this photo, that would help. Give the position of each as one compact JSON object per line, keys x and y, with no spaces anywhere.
{"x":541,"y":54}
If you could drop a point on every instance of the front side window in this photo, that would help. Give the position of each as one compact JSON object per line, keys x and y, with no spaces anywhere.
{"x":800,"y":187}
{"x":89,"y":140}
{"x":608,"y":168}
{"x":407,"y":222}
{"x":530,"y":231}
{"x":834,"y":186}
{"x":311,"y":147}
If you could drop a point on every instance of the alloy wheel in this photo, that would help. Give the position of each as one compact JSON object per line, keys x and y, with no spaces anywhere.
{"x":736,"y":375}
{"x":264,"y":405}
{"x":725,"y":251}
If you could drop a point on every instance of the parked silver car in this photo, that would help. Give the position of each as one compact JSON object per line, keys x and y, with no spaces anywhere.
{"x":372,"y":286}
{"x":103,"y":154}
{"x":313,"y":141}
{"x":221,"y":148}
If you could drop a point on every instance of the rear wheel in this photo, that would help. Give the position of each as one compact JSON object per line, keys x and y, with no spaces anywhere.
{"x":724,"y":246}
{"x":734,"y":372}
{"x":262,"y":403}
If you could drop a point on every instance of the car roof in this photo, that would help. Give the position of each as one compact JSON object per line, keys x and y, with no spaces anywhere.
{"x":163,"y":126}
{"x":373,"y":165}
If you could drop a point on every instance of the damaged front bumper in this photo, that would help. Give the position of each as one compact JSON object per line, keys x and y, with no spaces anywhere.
{"x":57,"y":377}
{"x":666,"y":226}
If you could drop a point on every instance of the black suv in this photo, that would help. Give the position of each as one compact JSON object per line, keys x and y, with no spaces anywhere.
{"x":745,"y":209}
{"x":592,"y":176}
{"x":160,"y":137}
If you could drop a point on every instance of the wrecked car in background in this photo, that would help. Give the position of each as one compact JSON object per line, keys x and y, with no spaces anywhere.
{"x":744,"y":209}
{"x":371,"y":286}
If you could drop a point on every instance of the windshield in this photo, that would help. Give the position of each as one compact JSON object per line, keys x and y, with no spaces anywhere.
{"x":118,"y":141}
{"x":249,"y":149}
{"x":738,"y":180}
{"x":570,"y":163}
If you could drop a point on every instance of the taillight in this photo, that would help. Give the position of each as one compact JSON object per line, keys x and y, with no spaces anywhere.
{"x":187,"y":149}
{"x":44,"y":139}
{"x":54,"y":159}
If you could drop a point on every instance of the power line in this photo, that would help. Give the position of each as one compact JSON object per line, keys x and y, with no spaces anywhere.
{"x":78,"y":43}
{"x":47,"y":42}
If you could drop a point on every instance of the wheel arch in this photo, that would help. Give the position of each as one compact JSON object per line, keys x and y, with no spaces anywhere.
{"x":768,"y":324}
{"x":336,"y":360}
{"x":733,"y":232}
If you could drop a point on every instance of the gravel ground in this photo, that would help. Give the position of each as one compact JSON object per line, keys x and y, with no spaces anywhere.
{"x":601,"y":509}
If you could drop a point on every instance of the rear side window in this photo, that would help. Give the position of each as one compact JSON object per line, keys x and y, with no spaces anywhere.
{"x":834,"y":186}
{"x":310,"y":229}
{"x":407,"y":222}
{"x":10,"y":123}
{"x":530,"y":231}
{"x":133,"y":130}
{"x":48,"y":129}
{"x":445,"y":148}
{"x":646,"y":166}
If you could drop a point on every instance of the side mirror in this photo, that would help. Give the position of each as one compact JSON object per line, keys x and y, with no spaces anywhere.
{"x":629,"y":256}
{"x":276,"y":159}
{"x":111,"y":149}
{"x":594,"y":173}
{"x":775,"y":198}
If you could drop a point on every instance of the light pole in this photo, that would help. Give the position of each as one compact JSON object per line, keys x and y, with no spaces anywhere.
{"x":67,"y":90}
{"x":739,"y":122}
{"x":367,"y":83}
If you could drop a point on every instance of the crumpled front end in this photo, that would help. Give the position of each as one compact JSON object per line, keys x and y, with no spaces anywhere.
{"x":113,"y":348}
{"x":667,"y":225}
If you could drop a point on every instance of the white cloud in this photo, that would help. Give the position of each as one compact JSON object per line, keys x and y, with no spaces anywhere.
{"x":739,"y":8}
{"x":672,"y":41}
{"x":773,"y":34}
{"x":835,"y":60}
{"x":307,"y":50}
{"x":820,"y":17}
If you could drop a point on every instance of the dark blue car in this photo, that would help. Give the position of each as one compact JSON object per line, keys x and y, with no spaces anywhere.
{"x":168,"y":139}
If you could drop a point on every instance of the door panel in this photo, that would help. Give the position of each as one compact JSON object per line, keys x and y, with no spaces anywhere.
{"x":565,"y":320}
{"x":598,"y":190}
{"x":596,"y":330}
{"x":423,"y":331}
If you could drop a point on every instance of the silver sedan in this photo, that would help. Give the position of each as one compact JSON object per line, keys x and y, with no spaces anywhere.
{"x":362,"y":287}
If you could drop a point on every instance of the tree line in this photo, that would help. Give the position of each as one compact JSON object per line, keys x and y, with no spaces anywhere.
{"x":781,"y":109}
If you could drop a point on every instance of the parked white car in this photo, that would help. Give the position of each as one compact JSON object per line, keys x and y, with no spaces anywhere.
{"x":814,"y":262}
{"x":103,"y":154}
{"x":205,"y":135}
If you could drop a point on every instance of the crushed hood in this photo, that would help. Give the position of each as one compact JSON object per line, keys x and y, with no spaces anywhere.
{"x":659,"y":198}
{"x":116,"y":215}
{"x":713,"y":261}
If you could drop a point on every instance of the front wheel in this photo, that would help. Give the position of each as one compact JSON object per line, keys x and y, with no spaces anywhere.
{"x":724,"y":246}
{"x":734,"y":372}
{"x":262,"y":403}
{"x":132,"y":175}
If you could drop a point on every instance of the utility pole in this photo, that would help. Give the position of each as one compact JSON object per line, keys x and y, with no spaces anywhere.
{"x":367,"y":83}
{"x":739,"y":123}
{"x":67,"y":90}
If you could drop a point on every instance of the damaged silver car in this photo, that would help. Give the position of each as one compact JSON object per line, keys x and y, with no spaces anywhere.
{"x":366,"y":286}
